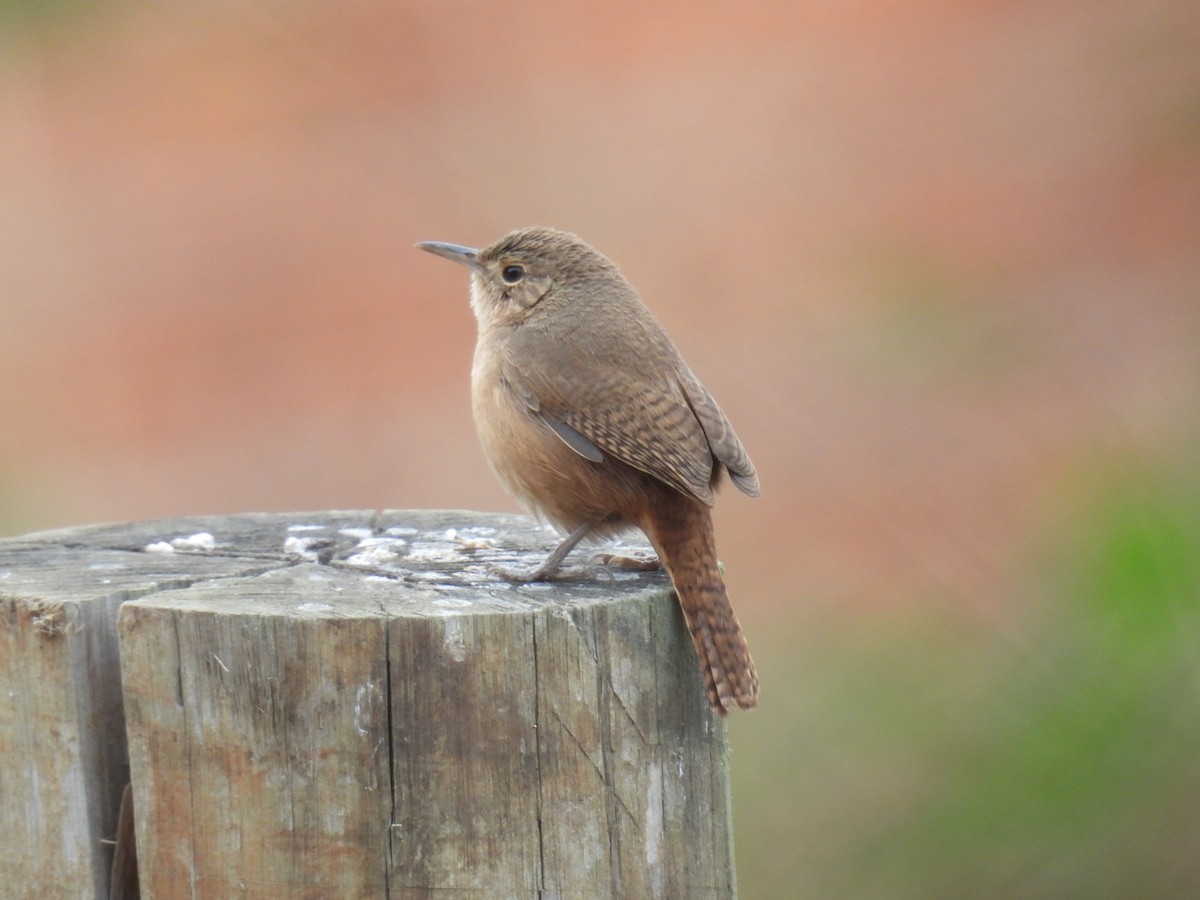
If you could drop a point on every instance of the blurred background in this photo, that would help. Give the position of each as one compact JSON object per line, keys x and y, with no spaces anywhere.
{"x":939,"y":261}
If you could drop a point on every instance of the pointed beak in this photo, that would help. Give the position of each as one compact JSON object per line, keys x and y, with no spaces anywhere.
{"x":467,"y":256}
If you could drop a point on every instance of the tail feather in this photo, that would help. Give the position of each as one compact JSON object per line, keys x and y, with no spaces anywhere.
{"x":687,"y":548}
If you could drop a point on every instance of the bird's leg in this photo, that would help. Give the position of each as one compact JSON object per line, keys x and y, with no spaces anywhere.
{"x":548,"y":569}
{"x":550,"y":566}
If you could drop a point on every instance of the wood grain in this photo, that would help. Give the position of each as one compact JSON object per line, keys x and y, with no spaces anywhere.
{"x":350,"y":705}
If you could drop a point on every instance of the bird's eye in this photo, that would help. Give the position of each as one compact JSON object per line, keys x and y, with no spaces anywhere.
{"x":512,"y":274}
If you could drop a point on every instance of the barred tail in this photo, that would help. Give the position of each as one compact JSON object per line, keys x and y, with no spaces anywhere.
{"x":683,"y":537}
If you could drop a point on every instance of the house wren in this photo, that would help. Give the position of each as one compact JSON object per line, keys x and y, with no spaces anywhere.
{"x":589,"y":415}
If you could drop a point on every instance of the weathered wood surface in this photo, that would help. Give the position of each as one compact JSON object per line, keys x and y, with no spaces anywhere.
{"x":351,"y":705}
{"x":63,"y":761}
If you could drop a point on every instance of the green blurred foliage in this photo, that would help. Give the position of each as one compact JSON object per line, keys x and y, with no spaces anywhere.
{"x":32,"y":11}
{"x":918,"y":758}
{"x":46,"y":19}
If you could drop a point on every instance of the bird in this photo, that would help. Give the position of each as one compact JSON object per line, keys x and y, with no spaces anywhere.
{"x":589,"y":416}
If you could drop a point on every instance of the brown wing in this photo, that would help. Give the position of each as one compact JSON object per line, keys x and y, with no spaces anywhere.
{"x":724,"y":443}
{"x":647,"y":410}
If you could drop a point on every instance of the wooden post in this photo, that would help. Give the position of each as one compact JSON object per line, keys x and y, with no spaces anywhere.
{"x":63,"y":760}
{"x":352,"y":705}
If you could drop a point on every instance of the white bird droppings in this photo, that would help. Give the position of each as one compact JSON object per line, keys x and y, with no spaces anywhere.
{"x":373,"y":555}
{"x":197,"y":542}
{"x":200,"y":541}
{"x":299,"y":546}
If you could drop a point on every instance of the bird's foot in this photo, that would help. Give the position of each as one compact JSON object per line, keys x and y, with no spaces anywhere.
{"x":648,"y":563}
{"x":541,"y":573}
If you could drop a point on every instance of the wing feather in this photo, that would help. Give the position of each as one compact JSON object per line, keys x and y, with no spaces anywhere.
{"x":647,"y":410}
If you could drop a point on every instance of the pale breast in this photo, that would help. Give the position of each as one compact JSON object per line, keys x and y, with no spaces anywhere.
{"x":548,"y":478}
